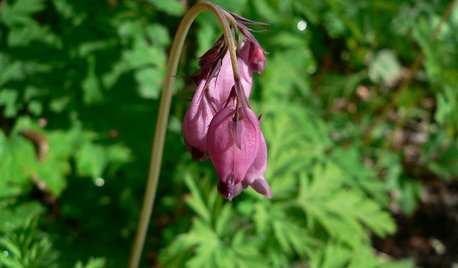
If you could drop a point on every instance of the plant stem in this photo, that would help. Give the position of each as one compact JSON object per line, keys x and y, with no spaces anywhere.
{"x":164,"y":109}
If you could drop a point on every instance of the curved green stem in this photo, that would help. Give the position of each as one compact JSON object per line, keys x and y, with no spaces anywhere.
{"x":164,"y":109}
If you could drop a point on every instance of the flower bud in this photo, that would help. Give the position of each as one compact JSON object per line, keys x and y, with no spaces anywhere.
{"x":257,"y":59}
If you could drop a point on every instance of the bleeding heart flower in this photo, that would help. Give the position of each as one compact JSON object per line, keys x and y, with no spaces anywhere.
{"x":233,"y":141}
{"x":210,"y":97}
{"x":219,"y":123}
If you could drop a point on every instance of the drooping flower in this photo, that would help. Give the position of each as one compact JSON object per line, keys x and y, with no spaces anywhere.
{"x":233,"y":142}
{"x":220,"y":123}
{"x":212,"y":95}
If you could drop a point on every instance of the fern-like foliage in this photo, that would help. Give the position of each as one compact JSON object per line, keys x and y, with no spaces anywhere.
{"x":27,"y":247}
{"x":321,"y":206}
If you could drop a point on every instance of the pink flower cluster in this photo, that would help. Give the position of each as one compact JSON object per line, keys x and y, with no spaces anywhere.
{"x":220,"y":125}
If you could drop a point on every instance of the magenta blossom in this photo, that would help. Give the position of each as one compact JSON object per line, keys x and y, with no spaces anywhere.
{"x":220,"y":124}
{"x":211,"y":96}
{"x":233,"y":142}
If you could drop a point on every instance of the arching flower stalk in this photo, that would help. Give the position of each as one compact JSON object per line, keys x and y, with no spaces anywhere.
{"x":219,"y":111}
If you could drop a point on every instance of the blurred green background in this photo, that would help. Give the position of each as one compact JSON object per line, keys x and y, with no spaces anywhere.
{"x":360,"y":112}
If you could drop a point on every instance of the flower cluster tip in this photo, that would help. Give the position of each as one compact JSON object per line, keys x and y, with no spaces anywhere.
{"x":220,"y":124}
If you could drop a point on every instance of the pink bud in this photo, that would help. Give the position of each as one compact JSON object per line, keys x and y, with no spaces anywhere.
{"x":253,"y":56}
{"x":233,"y":141}
{"x":255,"y":174}
{"x":257,"y":59}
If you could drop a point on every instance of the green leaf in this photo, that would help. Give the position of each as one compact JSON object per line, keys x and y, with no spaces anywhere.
{"x":149,"y":80}
{"x":336,"y":256}
{"x":19,"y":11}
{"x":28,"y":247}
{"x":91,"y":160}
{"x":11,"y":70}
{"x":336,"y":86}
{"x":18,"y":216}
{"x":92,"y":263}
{"x":205,"y":38}
{"x":196,"y":202}
{"x":341,"y":212}
{"x":142,"y":55}
{"x":8,"y":98}
{"x":409,"y":195}
{"x":447,"y":108}
{"x":171,"y":7}
{"x":90,"y":84}
{"x":17,"y":162}
{"x":64,"y":8}
{"x":335,"y":25}
{"x":88,"y":48}
{"x":23,"y":36}
{"x":261,"y":218}
{"x":266,"y":11}
{"x":118,"y":153}
{"x":223,"y":220}
{"x":109,"y":79}
{"x":359,"y":176}
{"x":287,"y":72}
{"x":440,"y":155}
{"x":158,"y":34}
